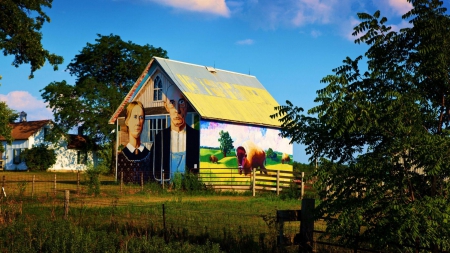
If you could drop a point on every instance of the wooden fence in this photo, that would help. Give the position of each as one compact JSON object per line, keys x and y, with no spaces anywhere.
{"x":274,"y":180}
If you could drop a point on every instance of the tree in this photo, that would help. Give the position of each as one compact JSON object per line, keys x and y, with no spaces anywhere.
{"x":20,"y":33}
{"x":226,"y":143}
{"x":270,"y":154}
{"x":105,"y":72}
{"x":382,"y":135}
{"x":7,"y":116}
{"x":39,"y":157}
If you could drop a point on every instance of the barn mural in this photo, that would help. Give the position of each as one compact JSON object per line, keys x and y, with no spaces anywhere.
{"x":241,"y":147}
{"x":181,"y":116}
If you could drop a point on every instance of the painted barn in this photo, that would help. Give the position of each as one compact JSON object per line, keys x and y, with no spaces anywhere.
{"x":227,"y":118}
{"x":70,"y":153}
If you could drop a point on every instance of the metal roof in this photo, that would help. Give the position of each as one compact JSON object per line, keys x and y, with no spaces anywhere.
{"x":216,"y":94}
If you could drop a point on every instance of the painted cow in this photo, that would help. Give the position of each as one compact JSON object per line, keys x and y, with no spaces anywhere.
{"x":213,"y":159}
{"x":250,"y":156}
{"x":285,"y":158}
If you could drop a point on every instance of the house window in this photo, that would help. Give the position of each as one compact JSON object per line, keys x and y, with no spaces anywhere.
{"x":157,"y":89}
{"x":16,"y":155}
{"x":81,"y":157}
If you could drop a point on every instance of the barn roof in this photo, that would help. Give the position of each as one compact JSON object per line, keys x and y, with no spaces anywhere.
{"x":23,"y":130}
{"x":215,"y":94}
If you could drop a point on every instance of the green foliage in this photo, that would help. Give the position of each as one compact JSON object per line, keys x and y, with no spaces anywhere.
{"x":92,"y":178}
{"x":192,"y":183}
{"x":303,"y":167}
{"x":226,"y":143}
{"x":105,"y":72}
{"x":188,"y":182}
{"x":382,"y":136}
{"x":20,"y":34}
{"x":39,"y":157}
{"x":7,"y":116}
{"x":65,"y":236}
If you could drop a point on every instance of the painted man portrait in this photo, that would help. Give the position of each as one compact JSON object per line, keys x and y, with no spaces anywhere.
{"x":178,"y":146}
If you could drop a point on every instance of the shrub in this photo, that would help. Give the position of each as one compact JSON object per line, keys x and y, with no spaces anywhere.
{"x":39,"y":157}
{"x":92,"y":178}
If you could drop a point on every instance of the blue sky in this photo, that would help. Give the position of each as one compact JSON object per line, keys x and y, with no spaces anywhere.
{"x":289,"y":45}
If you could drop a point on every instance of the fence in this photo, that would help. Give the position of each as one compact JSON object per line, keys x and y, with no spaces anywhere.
{"x":274,"y":180}
{"x":52,"y":184}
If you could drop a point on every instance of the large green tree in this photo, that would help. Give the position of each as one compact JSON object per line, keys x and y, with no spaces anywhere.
{"x":20,"y":25}
{"x":7,"y":116}
{"x":105,"y":72}
{"x":382,"y":135}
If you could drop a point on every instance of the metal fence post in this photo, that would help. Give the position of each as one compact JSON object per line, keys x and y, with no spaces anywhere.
{"x":254,"y":182}
{"x":121,"y":181}
{"x":307,"y":226}
{"x":66,"y":204}
{"x":54,"y":188}
{"x":278,"y":182}
{"x":32,"y":186}
{"x":78,"y":183}
{"x":302,"y":185}
{"x":142,"y":181}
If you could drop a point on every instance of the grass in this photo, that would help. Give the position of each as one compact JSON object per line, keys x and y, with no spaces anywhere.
{"x":231,"y":220}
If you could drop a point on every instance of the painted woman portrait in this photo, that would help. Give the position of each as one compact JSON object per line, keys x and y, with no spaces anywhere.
{"x":134,"y":159}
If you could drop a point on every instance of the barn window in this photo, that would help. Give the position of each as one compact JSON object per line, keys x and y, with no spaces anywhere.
{"x":152,"y":126}
{"x":157,"y":89}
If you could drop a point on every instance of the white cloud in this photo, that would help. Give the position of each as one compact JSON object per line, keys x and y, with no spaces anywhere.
{"x":216,"y":7}
{"x":24,"y":101}
{"x":315,"y":33}
{"x":400,"y":6}
{"x":245,"y":42}
{"x":313,"y":11}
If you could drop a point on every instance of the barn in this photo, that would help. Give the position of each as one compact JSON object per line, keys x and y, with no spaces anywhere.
{"x":181,"y":117}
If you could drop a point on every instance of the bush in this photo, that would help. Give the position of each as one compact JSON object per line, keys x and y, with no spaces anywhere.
{"x":191,"y":182}
{"x":39,"y":157}
{"x":92,"y":178}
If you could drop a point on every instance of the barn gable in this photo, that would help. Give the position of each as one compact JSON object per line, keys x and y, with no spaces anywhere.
{"x":212,"y":93}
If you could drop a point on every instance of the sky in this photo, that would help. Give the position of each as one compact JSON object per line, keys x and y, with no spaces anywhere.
{"x":288,"y":45}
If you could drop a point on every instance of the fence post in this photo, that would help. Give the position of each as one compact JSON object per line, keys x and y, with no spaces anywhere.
{"x":32,"y":186}
{"x":142,"y":181}
{"x":278,"y":182}
{"x":280,"y":230}
{"x":78,"y":182}
{"x":302,"y":185}
{"x":66,"y":204}
{"x":164,"y":221}
{"x":121,"y":181}
{"x":3,"y":182}
{"x":254,"y":183}
{"x":307,"y":226}
{"x":54,"y":188}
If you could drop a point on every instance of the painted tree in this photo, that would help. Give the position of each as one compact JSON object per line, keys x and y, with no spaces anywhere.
{"x":226,"y":143}
{"x":382,"y":135}
{"x":20,"y":33}
{"x":105,"y":72}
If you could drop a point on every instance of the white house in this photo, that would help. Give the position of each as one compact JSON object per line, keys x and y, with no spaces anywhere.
{"x":26,"y":134}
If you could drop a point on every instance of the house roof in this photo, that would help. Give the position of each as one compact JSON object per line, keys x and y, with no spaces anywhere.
{"x":23,"y":130}
{"x":215,"y":94}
